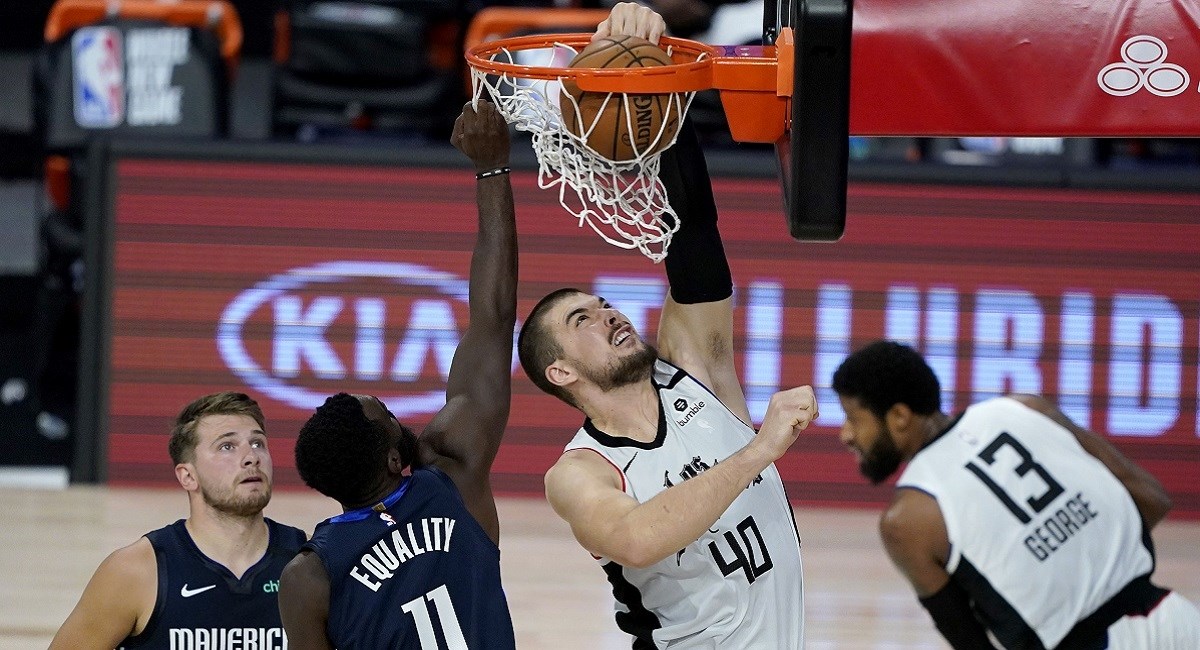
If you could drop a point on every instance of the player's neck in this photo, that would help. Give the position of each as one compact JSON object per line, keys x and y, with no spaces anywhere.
{"x":629,"y":411}
{"x":933,"y":427}
{"x":237,"y":542}
{"x":390,"y":484}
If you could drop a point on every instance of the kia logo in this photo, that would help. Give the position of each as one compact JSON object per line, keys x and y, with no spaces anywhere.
{"x":299,"y":332}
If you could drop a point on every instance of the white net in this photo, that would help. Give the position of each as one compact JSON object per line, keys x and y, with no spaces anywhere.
{"x":623,"y":201}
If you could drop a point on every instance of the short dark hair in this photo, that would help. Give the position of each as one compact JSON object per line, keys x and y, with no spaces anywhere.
{"x":182,"y":445}
{"x":885,"y":373}
{"x":537,"y":347}
{"x":342,"y":453}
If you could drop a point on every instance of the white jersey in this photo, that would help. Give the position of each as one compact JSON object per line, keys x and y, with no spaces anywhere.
{"x":740,"y":585}
{"x":1044,"y":538}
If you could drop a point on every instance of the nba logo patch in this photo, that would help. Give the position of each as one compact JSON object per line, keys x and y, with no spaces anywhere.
{"x":99,"y":64}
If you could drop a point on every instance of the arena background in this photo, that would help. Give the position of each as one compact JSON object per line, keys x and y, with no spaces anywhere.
{"x":290,"y":274}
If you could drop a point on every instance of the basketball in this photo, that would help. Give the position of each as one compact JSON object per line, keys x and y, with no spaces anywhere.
{"x":613,"y":137}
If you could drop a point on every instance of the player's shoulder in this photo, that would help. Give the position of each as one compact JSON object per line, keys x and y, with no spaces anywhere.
{"x":306,"y":564}
{"x":131,"y":564}
{"x":911,"y":519}
{"x":580,"y":469}
{"x":580,"y":462}
{"x":1035,"y":402}
{"x":305,"y":574}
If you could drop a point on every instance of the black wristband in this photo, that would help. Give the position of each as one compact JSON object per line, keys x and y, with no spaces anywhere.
{"x":954,"y":617}
{"x":492,"y":172}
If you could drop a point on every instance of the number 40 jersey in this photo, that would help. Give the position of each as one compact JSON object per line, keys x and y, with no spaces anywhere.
{"x":1044,"y":538}
{"x":740,"y":585}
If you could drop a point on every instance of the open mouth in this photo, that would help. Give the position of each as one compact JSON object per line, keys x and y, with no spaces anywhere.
{"x":622,"y":334}
{"x":252,"y":479}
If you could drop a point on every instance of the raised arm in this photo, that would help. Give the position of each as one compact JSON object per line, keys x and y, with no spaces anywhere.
{"x":304,"y":602}
{"x":586,"y":491}
{"x":463,"y":438}
{"x":695,"y":331}
{"x":117,"y":602}
{"x":1148,"y":493}
{"x":696,"y":328}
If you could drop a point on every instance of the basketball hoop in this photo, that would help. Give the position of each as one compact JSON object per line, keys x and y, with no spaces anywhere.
{"x":621,"y":200}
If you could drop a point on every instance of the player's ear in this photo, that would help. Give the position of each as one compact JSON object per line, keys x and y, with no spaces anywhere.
{"x":561,"y":373}
{"x":185,"y":473}
{"x":899,"y":417}
{"x":395,"y":462}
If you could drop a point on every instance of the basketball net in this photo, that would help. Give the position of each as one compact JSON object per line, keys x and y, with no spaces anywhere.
{"x":623,"y":201}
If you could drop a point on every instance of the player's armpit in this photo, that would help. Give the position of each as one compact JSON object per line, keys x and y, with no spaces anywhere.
{"x":951,"y":610}
{"x":699,"y":339}
{"x":1148,"y":492}
{"x":914,"y":534}
{"x":116,"y":603}
{"x":304,"y":602}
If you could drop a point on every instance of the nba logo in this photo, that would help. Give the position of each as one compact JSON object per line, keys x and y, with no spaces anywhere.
{"x":99,"y":77}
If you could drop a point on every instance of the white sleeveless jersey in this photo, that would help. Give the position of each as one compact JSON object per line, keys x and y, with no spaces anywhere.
{"x":1042,"y":535}
{"x":740,"y":585}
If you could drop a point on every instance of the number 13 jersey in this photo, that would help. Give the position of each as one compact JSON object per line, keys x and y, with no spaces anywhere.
{"x":740,"y":584}
{"x":1044,"y":538}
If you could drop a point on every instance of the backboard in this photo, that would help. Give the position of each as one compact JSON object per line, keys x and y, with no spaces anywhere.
{"x":814,"y":150}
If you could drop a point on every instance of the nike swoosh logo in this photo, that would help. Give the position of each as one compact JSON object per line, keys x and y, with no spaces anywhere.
{"x":188,"y":593}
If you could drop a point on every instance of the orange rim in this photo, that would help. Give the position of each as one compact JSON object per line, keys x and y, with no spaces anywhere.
{"x":691,"y":71}
{"x":755,"y":83}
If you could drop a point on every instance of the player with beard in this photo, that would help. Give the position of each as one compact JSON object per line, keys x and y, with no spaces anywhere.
{"x":1013,"y":524}
{"x":208,"y":581}
{"x":667,"y":483}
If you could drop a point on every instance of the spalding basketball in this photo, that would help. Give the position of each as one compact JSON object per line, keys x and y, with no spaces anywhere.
{"x":628,"y":124}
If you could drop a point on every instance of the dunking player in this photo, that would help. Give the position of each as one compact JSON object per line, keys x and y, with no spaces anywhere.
{"x":414,"y":557}
{"x":667,"y":482}
{"x":208,"y":581}
{"x":1012,"y":523}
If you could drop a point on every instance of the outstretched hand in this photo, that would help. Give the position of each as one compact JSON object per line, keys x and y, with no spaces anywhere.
{"x":482,"y":135}
{"x":632,"y":19}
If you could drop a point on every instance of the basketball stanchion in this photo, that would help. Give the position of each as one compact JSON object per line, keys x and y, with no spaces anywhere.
{"x":601,"y":114}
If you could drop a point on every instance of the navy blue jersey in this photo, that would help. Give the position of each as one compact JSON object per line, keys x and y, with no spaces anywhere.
{"x":201,"y":604}
{"x":416,"y":571}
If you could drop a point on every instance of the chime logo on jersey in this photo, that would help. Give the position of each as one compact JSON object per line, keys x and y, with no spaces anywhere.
{"x":300,"y":335}
{"x":99,"y":67}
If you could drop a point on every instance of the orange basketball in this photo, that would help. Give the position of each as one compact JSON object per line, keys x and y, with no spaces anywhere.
{"x":628,"y":124}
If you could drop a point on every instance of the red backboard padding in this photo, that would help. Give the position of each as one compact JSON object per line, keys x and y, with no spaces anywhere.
{"x":1026,"y":68}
